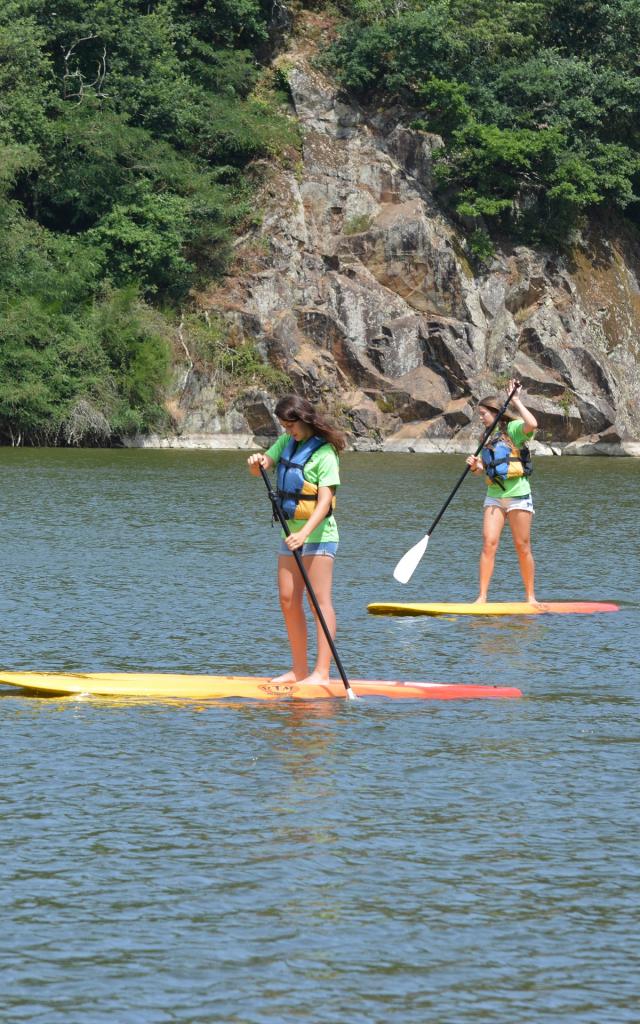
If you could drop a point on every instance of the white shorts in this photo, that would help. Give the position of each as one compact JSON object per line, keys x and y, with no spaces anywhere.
{"x":524,"y":504}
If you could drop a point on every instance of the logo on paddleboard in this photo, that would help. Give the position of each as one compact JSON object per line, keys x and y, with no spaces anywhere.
{"x":279,"y":689}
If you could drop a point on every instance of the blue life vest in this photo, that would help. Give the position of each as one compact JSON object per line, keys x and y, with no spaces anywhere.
{"x":297,"y":497}
{"x":503,"y":461}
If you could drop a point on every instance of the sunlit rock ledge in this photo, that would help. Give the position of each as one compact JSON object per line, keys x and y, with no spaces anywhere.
{"x":586,"y":446}
{"x":208,"y":442}
{"x":590,"y":445}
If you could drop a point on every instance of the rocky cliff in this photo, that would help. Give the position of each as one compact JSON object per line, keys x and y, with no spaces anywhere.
{"x":359,"y":287}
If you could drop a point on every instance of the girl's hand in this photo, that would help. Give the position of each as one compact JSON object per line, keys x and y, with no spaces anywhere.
{"x":295,"y":540}
{"x":255,"y":461}
{"x":529,"y":420}
{"x":475,"y":463}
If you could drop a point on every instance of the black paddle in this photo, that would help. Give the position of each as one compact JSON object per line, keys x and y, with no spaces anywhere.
{"x":407,"y":565}
{"x":278,"y":513}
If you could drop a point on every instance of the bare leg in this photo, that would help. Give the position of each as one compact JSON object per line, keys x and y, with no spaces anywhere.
{"x":291,"y":590}
{"x":320,"y":571}
{"x":492,"y":524}
{"x":520,"y":524}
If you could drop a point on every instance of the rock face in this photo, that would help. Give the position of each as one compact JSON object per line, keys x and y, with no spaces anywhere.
{"x":363,"y":294}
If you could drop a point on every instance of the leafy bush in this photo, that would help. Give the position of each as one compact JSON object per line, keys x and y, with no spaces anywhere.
{"x":357,"y":225}
{"x":230,"y":360}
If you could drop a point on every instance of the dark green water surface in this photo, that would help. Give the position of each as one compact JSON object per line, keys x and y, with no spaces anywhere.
{"x":441,"y":862}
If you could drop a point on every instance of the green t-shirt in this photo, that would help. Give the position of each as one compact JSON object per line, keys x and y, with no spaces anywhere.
{"x":516,"y":486}
{"x":323,"y":470}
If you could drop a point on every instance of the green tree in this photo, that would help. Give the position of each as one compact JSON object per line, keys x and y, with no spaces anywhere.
{"x":127,"y":130}
{"x":538,"y":102}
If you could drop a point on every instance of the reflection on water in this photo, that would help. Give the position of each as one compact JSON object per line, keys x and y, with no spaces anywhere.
{"x":508,"y":640}
{"x":194,"y":861}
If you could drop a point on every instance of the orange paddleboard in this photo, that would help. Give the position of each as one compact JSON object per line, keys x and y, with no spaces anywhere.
{"x":493,"y":608}
{"x":159,"y":686}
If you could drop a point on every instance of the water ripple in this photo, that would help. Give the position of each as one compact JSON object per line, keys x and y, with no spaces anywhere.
{"x":462,"y":863}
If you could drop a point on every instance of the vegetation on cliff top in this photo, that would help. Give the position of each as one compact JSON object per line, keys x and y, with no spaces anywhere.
{"x":538,"y":101}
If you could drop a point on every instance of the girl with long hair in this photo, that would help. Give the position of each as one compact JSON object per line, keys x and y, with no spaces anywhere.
{"x":508,"y":498}
{"x":306,"y":457}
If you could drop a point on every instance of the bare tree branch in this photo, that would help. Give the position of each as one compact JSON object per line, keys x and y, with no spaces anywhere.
{"x":79,"y":83}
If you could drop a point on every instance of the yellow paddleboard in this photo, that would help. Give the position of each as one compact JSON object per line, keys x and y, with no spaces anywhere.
{"x":493,"y":608}
{"x":159,"y":686}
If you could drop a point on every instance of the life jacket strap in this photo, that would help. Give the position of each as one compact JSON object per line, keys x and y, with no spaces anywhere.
{"x":301,"y":498}
{"x":283,"y":495}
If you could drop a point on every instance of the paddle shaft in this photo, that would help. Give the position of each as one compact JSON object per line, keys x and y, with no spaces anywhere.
{"x":277,"y":511}
{"x":485,"y":436}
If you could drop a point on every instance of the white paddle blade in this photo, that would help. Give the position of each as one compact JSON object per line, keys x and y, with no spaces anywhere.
{"x":407,"y":565}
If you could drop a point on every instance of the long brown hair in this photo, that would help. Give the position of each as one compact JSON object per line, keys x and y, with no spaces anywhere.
{"x":292,"y":407}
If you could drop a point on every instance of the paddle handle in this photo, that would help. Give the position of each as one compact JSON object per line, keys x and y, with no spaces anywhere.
{"x":278,"y":513}
{"x":486,"y":435}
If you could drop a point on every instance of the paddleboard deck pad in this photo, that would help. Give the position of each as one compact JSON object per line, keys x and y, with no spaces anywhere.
{"x":493,"y":608}
{"x":149,"y":685}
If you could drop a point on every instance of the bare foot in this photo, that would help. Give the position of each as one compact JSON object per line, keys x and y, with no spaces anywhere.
{"x":286,"y":677}
{"x":315,"y":679}
{"x":480,"y":600}
{"x":536,"y":604}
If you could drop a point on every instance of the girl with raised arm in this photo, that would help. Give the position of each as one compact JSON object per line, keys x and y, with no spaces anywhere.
{"x":506,"y":463}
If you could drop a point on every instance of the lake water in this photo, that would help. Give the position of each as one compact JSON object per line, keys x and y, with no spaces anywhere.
{"x":455,"y":863}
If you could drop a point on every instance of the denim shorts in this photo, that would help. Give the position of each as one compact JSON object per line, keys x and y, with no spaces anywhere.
{"x":524,"y":503}
{"x":323,"y":547}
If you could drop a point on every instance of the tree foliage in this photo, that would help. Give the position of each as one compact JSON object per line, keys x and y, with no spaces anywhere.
{"x":126,"y":131}
{"x":538,"y":101}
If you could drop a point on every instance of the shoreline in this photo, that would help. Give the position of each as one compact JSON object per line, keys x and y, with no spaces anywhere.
{"x":584,"y":446}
